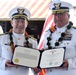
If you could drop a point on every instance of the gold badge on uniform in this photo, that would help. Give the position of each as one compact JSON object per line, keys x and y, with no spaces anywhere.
{"x":18,"y":38}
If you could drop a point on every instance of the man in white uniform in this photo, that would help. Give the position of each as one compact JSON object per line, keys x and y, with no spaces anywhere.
{"x":62,"y":35}
{"x":17,"y":36}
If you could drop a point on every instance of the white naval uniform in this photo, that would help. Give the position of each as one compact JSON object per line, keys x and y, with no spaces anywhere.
{"x":71,"y":70}
{"x":6,"y":54}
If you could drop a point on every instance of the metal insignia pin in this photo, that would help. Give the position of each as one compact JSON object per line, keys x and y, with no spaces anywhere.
{"x":57,"y":5}
{"x":20,"y":11}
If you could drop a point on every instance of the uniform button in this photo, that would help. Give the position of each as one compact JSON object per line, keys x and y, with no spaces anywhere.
{"x":16,"y":66}
{"x":67,"y":42}
{"x":50,"y":34}
{"x":50,"y":70}
{"x":18,"y":38}
{"x":64,"y":44}
{"x":7,"y":48}
{"x":56,"y":40}
{"x":59,"y":32}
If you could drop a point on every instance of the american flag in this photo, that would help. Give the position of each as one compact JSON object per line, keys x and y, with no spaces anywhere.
{"x":49,"y":22}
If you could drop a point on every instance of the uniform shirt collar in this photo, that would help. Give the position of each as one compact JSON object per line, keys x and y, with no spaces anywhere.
{"x":17,"y":35}
{"x":62,"y":28}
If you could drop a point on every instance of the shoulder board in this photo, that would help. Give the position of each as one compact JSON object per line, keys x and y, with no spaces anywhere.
{"x":48,"y":30}
{"x":3,"y":34}
{"x":74,"y":27}
{"x":32,"y":37}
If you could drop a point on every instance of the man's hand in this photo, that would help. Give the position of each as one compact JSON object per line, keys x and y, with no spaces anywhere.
{"x":64,"y":65}
{"x":8,"y":64}
{"x":36,"y":70}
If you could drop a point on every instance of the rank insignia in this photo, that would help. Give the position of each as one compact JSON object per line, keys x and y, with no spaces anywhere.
{"x":20,"y":11}
{"x":57,"y":5}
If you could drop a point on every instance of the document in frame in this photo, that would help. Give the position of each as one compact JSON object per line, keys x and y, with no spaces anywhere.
{"x":34,"y":58}
{"x":52,"y":58}
{"x":26,"y":56}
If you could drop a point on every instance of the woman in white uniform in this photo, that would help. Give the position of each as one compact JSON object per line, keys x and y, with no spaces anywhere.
{"x":17,"y":36}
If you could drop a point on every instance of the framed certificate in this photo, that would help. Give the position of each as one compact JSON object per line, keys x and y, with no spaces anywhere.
{"x":35,"y":58}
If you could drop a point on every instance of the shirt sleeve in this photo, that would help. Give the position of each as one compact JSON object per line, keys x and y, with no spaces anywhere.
{"x":2,"y":60}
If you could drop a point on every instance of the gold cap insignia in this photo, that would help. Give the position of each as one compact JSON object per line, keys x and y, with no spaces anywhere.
{"x":57,"y":5}
{"x":20,"y":11}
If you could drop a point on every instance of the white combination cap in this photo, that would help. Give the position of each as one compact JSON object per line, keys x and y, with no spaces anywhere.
{"x":60,"y":7}
{"x":19,"y":12}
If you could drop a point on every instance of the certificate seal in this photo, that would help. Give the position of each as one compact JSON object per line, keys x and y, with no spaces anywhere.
{"x":50,"y":63}
{"x":16,"y":60}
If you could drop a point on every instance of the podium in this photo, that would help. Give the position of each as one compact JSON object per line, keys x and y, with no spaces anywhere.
{"x":31,"y":57}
